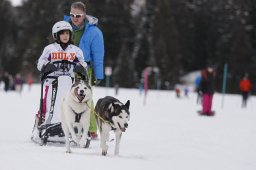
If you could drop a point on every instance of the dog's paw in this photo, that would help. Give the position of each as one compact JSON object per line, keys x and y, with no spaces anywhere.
{"x":68,"y":151}
{"x":116,"y":153}
{"x":82,"y":144}
{"x":104,"y":152}
{"x":75,"y":140}
{"x":79,"y":137}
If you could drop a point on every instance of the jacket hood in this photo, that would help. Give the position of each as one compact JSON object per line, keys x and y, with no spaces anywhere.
{"x":92,"y":20}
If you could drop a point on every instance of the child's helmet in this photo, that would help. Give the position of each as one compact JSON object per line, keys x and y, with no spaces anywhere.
{"x":60,"y":26}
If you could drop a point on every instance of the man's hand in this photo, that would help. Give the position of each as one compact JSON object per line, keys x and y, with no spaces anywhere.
{"x":96,"y":82}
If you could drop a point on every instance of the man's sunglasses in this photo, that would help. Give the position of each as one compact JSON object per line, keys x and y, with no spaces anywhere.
{"x":76,"y":15}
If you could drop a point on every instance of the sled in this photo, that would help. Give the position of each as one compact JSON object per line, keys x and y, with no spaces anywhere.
{"x":59,"y":84}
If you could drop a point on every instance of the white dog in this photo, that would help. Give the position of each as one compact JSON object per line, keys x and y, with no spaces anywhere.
{"x":76,"y":113}
{"x":111,"y":115}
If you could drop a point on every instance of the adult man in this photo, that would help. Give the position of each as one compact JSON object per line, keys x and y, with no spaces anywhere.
{"x":88,"y":37}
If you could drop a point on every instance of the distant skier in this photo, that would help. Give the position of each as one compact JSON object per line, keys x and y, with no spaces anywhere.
{"x":207,"y":87}
{"x":29,"y":81}
{"x":177,"y":91}
{"x":186,"y":92}
{"x":245,"y":86}
{"x":197,"y":90}
{"x":6,"y":80}
{"x":18,"y":81}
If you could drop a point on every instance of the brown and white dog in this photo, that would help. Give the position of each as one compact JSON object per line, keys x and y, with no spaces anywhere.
{"x":111,"y":114}
{"x":75,"y":112}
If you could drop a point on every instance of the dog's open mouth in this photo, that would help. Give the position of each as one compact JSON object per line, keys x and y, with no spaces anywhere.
{"x":122,"y":129}
{"x":80,"y":96}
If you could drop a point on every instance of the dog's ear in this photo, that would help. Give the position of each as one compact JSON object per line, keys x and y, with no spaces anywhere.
{"x":73,"y":85}
{"x":77,"y":81}
{"x":111,"y":107}
{"x":114,"y":105}
{"x":87,"y":84}
{"x":127,"y":104}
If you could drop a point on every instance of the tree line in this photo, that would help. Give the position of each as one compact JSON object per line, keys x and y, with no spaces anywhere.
{"x":173,"y":37}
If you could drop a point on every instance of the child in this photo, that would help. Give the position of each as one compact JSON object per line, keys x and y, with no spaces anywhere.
{"x":59,"y":58}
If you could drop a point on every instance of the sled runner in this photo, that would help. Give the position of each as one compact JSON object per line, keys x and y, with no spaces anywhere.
{"x":59,"y":84}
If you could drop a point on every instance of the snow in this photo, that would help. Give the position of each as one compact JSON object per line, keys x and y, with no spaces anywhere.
{"x":16,"y":2}
{"x":166,"y":133}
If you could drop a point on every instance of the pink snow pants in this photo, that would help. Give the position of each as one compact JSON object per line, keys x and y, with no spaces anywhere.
{"x":207,"y":103}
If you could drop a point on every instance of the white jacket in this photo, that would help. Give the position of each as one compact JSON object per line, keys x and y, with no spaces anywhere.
{"x":54,"y":52}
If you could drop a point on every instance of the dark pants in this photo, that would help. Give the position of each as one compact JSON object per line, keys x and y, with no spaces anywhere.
{"x":245,"y":96}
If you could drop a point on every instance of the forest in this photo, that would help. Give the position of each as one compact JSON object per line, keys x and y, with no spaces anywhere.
{"x":172,"y":37}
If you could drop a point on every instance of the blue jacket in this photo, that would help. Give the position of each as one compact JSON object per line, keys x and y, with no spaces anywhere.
{"x":92,"y":45}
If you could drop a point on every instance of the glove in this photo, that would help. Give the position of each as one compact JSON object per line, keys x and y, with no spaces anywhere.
{"x":79,"y":69}
{"x":96,"y":82}
{"x":49,"y":68}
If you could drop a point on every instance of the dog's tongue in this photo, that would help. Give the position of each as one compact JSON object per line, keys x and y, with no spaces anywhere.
{"x":80,"y":97}
{"x":122,"y":129}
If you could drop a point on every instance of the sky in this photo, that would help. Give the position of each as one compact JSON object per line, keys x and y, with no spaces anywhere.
{"x":166,"y":133}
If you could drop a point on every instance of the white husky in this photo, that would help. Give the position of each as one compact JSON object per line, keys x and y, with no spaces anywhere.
{"x":76,"y":113}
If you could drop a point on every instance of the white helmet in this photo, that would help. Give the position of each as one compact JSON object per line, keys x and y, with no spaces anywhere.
{"x":59,"y":26}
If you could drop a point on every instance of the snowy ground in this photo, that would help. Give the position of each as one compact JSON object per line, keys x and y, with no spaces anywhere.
{"x":165,"y":134}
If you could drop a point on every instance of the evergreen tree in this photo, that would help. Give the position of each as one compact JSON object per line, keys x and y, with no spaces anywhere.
{"x":176,"y":36}
{"x":123,"y":73}
{"x":8,"y":37}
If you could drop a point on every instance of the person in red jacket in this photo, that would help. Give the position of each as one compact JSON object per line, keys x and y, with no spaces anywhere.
{"x":245,"y":86}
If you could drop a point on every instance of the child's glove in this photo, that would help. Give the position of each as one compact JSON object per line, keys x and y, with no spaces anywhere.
{"x":48,"y":68}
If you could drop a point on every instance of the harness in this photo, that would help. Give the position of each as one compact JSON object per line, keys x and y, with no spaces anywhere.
{"x":78,"y":115}
{"x":105,"y":121}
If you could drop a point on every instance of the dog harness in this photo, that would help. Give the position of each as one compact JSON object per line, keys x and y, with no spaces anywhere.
{"x":105,"y":121}
{"x":78,"y":115}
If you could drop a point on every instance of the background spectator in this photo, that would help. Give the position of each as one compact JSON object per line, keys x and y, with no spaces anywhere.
{"x":245,"y":86}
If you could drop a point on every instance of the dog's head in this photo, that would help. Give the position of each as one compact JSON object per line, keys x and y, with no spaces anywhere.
{"x":81,"y":91}
{"x":120,"y":114}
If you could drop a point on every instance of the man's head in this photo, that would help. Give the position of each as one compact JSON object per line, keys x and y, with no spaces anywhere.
{"x":78,"y":13}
